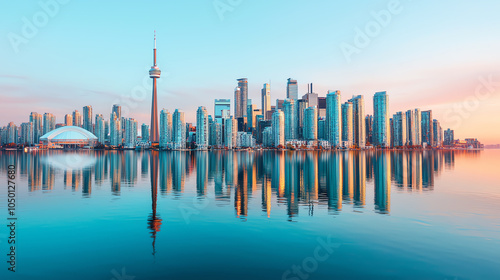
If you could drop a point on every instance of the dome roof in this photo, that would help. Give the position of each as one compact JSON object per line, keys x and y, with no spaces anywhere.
{"x":68,"y":133}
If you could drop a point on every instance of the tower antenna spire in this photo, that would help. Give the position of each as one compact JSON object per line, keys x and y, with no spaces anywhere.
{"x":155,"y":39}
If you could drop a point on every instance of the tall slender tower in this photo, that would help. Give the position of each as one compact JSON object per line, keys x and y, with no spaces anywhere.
{"x":154,"y":73}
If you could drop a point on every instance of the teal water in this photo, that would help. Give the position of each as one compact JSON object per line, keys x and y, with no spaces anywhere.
{"x":253,"y":215}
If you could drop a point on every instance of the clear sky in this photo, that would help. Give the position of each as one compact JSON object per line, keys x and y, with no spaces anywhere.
{"x":439,"y":55}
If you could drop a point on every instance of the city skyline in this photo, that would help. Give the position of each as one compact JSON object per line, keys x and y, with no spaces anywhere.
{"x":429,"y":81}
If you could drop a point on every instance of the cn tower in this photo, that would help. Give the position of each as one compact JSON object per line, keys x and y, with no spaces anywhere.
{"x":154,"y":73}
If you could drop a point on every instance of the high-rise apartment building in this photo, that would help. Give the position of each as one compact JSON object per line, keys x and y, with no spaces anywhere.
{"x":222,"y":110}
{"x":77,"y":118}
{"x":311,"y":124}
{"x":165,"y":129}
{"x":241,"y":98}
{"x":87,"y":118}
{"x":99,"y":128}
{"x":278,"y":128}
{"x":68,"y":120}
{"x":427,"y":128}
{"x":266,"y":100}
{"x":292,"y":89}
{"x":36,"y":120}
{"x":291,"y":120}
{"x":27,"y":134}
{"x":333,"y":118}
{"x":145,"y":133}
{"x":178,"y":130}
{"x":49,"y":122}
{"x":381,"y":125}
{"x":202,"y":132}
{"x":449,"y":137}
{"x":231,"y":132}
{"x":131,"y":133}
{"x":347,"y":124}
{"x":399,"y":129}
{"x":358,"y":121}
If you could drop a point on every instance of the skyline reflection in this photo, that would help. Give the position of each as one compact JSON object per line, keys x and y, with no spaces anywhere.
{"x":297,"y":180}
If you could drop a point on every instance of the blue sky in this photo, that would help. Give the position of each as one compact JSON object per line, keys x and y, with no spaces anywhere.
{"x":428,"y":55}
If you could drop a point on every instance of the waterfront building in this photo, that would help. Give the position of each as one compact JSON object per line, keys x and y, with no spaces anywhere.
{"x":427,"y":128}
{"x":278,"y":128}
{"x":49,"y":122}
{"x":333,"y":118}
{"x":215,"y":135}
{"x":145,"y":133}
{"x":369,"y":128}
{"x":130,"y":133}
{"x":266,"y":100}
{"x":230,"y":130}
{"x":165,"y":129}
{"x":291,"y":123}
{"x":241,"y":98}
{"x":302,"y":104}
{"x":358,"y":121}
{"x":311,"y":124}
{"x":347,"y":124}
{"x":267,"y":137}
{"x":178,"y":130}
{"x":437,"y":133}
{"x":36,"y":120}
{"x":27,"y":134}
{"x":99,"y":130}
{"x":449,"y":137}
{"x":87,"y":118}
{"x":321,"y":129}
{"x":399,"y":129}
{"x":114,"y":130}
{"x":202,"y":131}
{"x":12,"y":133}
{"x":245,"y":140}
{"x":381,"y":125}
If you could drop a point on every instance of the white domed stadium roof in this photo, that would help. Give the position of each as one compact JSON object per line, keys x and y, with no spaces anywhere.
{"x":68,"y":133}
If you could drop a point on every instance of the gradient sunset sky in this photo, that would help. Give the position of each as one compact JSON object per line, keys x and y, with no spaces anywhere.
{"x":438,"y":55}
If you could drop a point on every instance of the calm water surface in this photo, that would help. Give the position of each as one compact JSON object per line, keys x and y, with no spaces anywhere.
{"x":254,"y":215}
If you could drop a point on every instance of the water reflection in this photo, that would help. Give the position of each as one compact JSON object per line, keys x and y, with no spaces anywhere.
{"x":299,"y":180}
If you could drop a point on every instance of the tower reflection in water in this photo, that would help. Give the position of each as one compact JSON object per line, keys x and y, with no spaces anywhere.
{"x":301,"y":181}
{"x":154,"y":220}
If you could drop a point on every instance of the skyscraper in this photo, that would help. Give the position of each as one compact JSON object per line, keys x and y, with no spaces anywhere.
{"x":449,"y":137}
{"x":100,"y":128}
{"x":278,"y":128}
{"x":333,"y":118}
{"x":68,"y":120}
{"x":266,"y":100}
{"x":36,"y":119}
{"x":369,"y":128}
{"x":230,"y":131}
{"x":77,"y":118}
{"x":292,"y":89}
{"x":222,"y":109}
{"x":252,"y":112}
{"x":437,"y":133}
{"x":347,"y":124}
{"x":49,"y":122}
{"x":131,"y":133}
{"x":145,"y":133}
{"x":358,"y":120}
{"x":301,"y":106}
{"x":291,"y":120}
{"x":311,"y":124}
{"x":427,"y":128}
{"x":27,"y":133}
{"x":241,"y":98}
{"x":381,"y":125}
{"x":12,"y":133}
{"x":413,"y":136}
{"x":399,"y":127}
{"x":178,"y":130}
{"x":117,"y":109}
{"x":87,"y":118}
{"x":154,"y":73}
{"x":114,"y":130}
{"x":202,"y":132}
{"x":165,"y":129}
